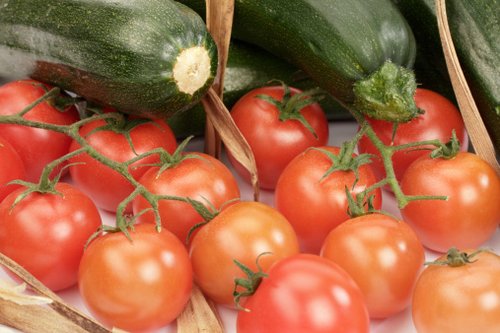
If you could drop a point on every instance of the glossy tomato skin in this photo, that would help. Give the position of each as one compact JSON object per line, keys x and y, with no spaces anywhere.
{"x":46,"y":233}
{"x":107,"y":187}
{"x":36,"y":147}
{"x":136,"y":285}
{"x":314,"y":206}
{"x":471,"y":214}
{"x":460,"y":299}
{"x":241,"y":231}
{"x":439,"y":119}
{"x":274,"y":142}
{"x":11,"y":167}
{"x":305,"y":293}
{"x":384,"y":257}
{"x":202,"y":178}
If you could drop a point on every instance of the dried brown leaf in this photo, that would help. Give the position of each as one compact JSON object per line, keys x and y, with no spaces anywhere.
{"x":16,"y":293}
{"x":199,"y":315}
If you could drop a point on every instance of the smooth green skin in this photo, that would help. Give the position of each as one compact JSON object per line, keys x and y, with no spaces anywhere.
{"x":250,"y":67}
{"x":115,"y":53}
{"x":475,"y":29}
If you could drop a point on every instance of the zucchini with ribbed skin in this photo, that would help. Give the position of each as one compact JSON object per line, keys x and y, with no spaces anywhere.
{"x":338,"y":43}
{"x":152,"y":58}
{"x":475,"y":29}
{"x":250,"y":67}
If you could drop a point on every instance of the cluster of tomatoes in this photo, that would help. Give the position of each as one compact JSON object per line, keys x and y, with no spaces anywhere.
{"x":302,"y":264}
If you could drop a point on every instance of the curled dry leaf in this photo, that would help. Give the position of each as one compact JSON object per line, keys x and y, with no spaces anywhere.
{"x":9,"y":291}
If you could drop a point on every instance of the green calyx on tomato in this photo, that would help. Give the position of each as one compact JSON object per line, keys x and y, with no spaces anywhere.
{"x":250,"y":283}
{"x":449,"y":149}
{"x":456,"y":258}
{"x":290,"y":105}
{"x":387,"y":94}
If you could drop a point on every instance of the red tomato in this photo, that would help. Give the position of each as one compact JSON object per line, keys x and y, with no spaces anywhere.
{"x":11,"y":167}
{"x":242,"y":231}
{"x":136,"y":285}
{"x":459,"y":299}
{"x":275,"y":142}
{"x":46,"y":233}
{"x":36,"y":147}
{"x":107,"y":187}
{"x":305,"y":293}
{"x":384,"y":257}
{"x":203,"y":178}
{"x":313,"y":205}
{"x":439,"y":119}
{"x":471,"y":214}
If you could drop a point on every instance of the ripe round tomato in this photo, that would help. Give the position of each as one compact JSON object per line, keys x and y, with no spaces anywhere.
{"x":107,"y":187}
{"x":384,"y":257}
{"x":36,"y":147}
{"x":275,"y":142}
{"x":202,"y":178}
{"x":305,"y":293}
{"x":460,"y":299}
{"x":139,"y":284}
{"x":439,"y":119}
{"x":46,"y":233}
{"x":471,"y":214}
{"x":314,"y":206}
{"x":11,"y":167}
{"x":241,"y":231}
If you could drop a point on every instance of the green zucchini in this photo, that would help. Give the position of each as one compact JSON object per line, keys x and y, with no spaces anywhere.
{"x":250,"y":67}
{"x":475,"y":29}
{"x":152,"y":58}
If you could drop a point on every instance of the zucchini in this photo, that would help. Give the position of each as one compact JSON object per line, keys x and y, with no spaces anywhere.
{"x":474,"y":26}
{"x":250,"y":67}
{"x":151,"y":58}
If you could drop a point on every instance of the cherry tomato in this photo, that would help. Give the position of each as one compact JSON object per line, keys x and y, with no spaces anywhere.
{"x":241,"y":231}
{"x":36,"y":147}
{"x":202,"y":178}
{"x":46,"y":233}
{"x":305,"y":293}
{"x":313,"y":205}
{"x":384,"y":257}
{"x":275,"y":142}
{"x":139,"y":284}
{"x":107,"y":187}
{"x":471,"y":214}
{"x":459,"y":299}
{"x":11,"y":167}
{"x":439,"y":119}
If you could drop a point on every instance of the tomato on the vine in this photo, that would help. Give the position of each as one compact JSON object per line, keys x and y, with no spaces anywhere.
{"x":46,"y":232}
{"x":136,"y":284}
{"x":384,"y":257}
{"x":241,"y":231}
{"x":314,"y":200}
{"x":459,"y":293}
{"x":273,"y":129}
{"x":438,"y":121}
{"x":11,"y":168}
{"x":197,"y":176}
{"x":305,"y":293}
{"x":471,"y":213}
{"x":36,"y":147}
{"x":107,"y":187}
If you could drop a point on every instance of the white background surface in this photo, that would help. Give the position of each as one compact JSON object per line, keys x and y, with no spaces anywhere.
{"x":339,"y":132}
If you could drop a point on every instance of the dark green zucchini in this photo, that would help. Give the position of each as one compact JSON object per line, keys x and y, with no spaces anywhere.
{"x":250,"y":67}
{"x":475,"y":29}
{"x":152,"y":58}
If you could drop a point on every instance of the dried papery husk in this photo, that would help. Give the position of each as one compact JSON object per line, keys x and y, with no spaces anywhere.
{"x":43,"y":318}
{"x":199,"y":315}
{"x":474,"y":124}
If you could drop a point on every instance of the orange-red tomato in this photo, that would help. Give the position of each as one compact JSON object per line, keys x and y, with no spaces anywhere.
{"x":315,"y":205}
{"x":241,"y":231}
{"x":11,"y":167}
{"x":470,"y":215}
{"x":139,"y":284}
{"x":459,"y":299}
{"x":384,"y":257}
